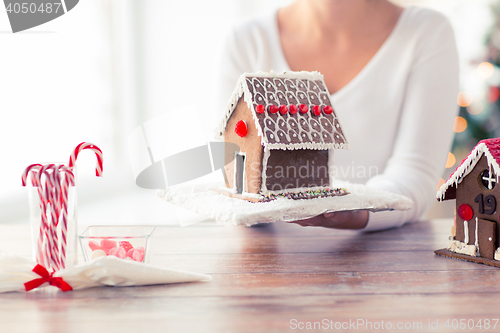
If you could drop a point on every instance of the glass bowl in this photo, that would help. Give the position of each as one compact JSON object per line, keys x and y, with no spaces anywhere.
{"x":123,"y":241}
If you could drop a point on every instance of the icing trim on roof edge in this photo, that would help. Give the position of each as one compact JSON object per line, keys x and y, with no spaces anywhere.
{"x":307,"y":145}
{"x":467,"y":166}
{"x":302,"y":75}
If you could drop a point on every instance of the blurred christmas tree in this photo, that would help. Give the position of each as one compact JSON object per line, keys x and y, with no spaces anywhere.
{"x":479,"y":116}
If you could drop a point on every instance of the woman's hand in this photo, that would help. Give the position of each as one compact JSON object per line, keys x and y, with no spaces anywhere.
{"x":356,"y":219}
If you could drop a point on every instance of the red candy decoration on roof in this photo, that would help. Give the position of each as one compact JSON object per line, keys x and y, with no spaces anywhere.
{"x":283,"y":109}
{"x":316,"y":110}
{"x":293,"y":109}
{"x":260,"y":108}
{"x":241,"y":128}
{"x":465,"y":212}
{"x":327,"y":109}
{"x":303,"y":108}
{"x":273,"y":108}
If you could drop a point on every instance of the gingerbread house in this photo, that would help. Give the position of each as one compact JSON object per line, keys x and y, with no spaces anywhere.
{"x":286,"y":130}
{"x":474,"y":184}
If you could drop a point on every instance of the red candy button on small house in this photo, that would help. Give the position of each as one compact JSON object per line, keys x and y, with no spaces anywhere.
{"x":283,"y":109}
{"x":273,"y":108}
{"x":241,"y":128}
{"x":327,"y":109}
{"x":465,"y":212}
{"x":303,"y":108}
{"x":260,"y":108}
{"x":293,"y":109}
{"x":316,"y":110}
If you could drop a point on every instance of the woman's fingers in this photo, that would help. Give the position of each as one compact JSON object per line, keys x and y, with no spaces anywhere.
{"x":340,"y":220}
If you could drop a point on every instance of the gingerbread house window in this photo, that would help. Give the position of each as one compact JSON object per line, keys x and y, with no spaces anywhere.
{"x":487,"y":179}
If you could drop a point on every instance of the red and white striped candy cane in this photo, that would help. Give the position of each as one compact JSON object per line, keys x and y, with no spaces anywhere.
{"x":57,"y":203}
{"x":48,"y":202}
{"x":69,"y":179}
{"x":50,"y":213}
{"x":33,"y":170}
{"x":57,"y":181}
{"x":41,"y":254}
{"x":44,"y":250}
{"x":95,"y":149}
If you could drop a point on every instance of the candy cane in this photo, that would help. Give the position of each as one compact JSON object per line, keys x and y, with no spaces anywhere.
{"x":27,"y":171}
{"x":33,"y":170}
{"x":95,"y":149}
{"x":48,"y":198}
{"x":57,"y":181}
{"x":69,"y":179}
{"x":44,"y":252}
{"x":40,"y":257}
{"x":53,"y":194}
{"x":57,"y":203}
{"x":48,"y":202}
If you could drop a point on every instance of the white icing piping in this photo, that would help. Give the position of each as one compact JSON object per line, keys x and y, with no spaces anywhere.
{"x":307,"y":145}
{"x":467,"y":166}
{"x":462,"y":248}
{"x":302,"y":75}
{"x":299,"y":189}
{"x":248,"y":99}
{"x":476,"y":242}
{"x":265,"y":158}
{"x":240,"y":89}
{"x":497,"y":254}
{"x":466,"y":232}
{"x":235,"y":96}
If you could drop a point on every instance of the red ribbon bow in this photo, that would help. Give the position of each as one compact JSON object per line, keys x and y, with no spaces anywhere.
{"x":46,"y":277}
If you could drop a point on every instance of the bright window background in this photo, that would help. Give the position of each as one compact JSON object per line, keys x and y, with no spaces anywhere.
{"x":108,"y":66}
{"x":56,"y":91}
{"x":94,"y":75}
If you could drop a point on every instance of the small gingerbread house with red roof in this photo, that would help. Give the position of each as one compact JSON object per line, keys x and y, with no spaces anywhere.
{"x":474,"y":185}
{"x":286,"y":128}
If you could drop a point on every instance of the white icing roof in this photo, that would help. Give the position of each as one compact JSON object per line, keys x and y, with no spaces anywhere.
{"x":490,"y":148}
{"x":287,"y":131}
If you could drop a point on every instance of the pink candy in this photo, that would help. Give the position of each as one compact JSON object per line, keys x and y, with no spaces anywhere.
{"x":118,"y":252}
{"x":126,"y":245}
{"x":122,"y":250}
{"x":107,"y":244}
{"x":136,"y":254}
{"x":94,"y":245}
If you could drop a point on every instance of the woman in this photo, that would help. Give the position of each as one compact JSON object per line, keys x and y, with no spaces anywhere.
{"x":393,"y":76}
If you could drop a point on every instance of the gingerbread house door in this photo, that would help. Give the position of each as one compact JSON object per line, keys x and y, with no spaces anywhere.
{"x":486,"y":235}
{"x":239,"y":172}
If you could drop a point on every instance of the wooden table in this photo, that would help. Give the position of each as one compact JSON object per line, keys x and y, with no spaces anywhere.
{"x":274,"y":278}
